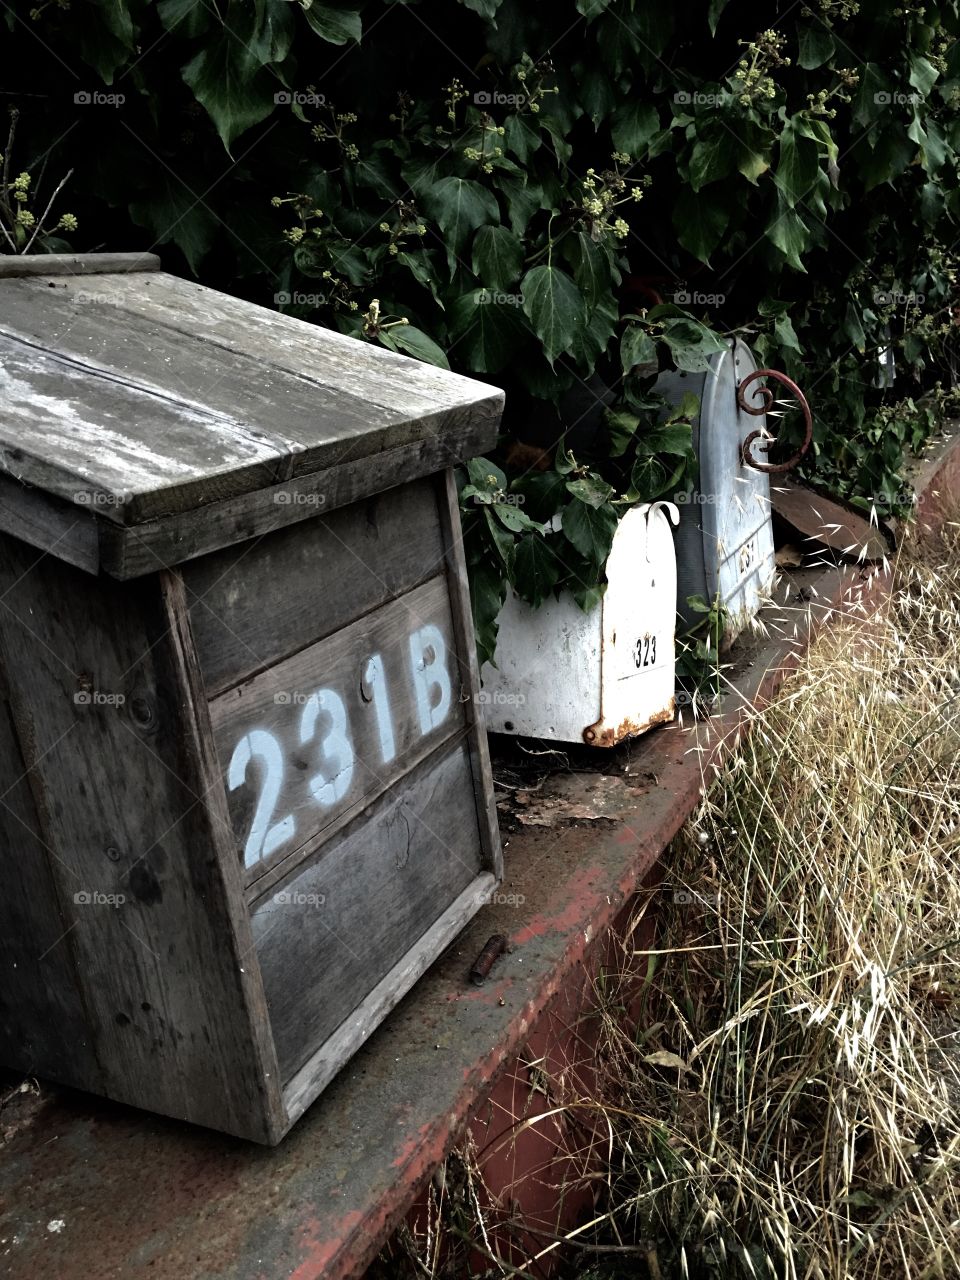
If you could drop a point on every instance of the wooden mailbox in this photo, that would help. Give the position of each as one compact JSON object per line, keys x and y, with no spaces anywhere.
{"x":246,"y":798}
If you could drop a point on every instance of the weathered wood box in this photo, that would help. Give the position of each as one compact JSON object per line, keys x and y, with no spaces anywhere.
{"x":245,"y":798}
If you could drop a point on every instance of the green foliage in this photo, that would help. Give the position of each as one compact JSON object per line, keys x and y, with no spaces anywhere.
{"x":442,"y":186}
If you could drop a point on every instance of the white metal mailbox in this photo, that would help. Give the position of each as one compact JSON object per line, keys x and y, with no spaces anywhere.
{"x":725,"y":537}
{"x":601,"y":676}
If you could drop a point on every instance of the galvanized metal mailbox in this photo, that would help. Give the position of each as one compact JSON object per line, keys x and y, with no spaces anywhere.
{"x":596,"y":677}
{"x":246,"y":798}
{"x":725,"y":537}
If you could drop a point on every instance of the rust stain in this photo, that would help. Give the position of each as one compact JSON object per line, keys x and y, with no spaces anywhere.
{"x":601,"y":735}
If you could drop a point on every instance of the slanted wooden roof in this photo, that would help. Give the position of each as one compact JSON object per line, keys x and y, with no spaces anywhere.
{"x":166,"y":419}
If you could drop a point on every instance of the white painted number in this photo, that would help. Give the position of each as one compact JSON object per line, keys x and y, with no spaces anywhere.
{"x":375,"y":677}
{"x":428,"y":658}
{"x":263,"y":838}
{"x":335,"y":745}
{"x":324,"y":722}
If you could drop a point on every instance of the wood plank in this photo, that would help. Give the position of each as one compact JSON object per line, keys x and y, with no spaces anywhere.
{"x":130,"y":553}
{"x":43,"y":1027}
{"x":49,"y":524}
{"x":104,"y":443}
{"x":253,"y":605}
{"x":320,"y":1068}
{"x":283,"y":342}
{"x":295,"y":767}
{"x":125,"y":799}
{"x":331,"y":934}
{"x":75,"y":358}
{"x":74,"y":264}
{"x":469,"y":676}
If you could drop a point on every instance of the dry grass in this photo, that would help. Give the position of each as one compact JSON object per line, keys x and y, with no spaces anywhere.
{"x":790,"y":1105}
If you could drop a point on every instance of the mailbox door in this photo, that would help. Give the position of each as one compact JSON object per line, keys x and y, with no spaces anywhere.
{"x":725,"y":540}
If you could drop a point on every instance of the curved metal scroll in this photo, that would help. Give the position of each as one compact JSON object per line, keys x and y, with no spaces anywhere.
{"x":767,"y":399}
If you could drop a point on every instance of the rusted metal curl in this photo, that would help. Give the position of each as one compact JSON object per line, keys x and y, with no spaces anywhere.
{"x":756,"y":411}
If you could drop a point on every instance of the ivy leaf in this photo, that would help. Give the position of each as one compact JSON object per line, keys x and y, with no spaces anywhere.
{"x":873,"y":96}
{"x":923,"y":75}
{"x":543,"y":493}
{"x":555,"y":308}
{"x":414,"y":342}
{"x":621,"y":427}
{"x":230,"y":85}
{"x":117,"y":19}
{"x":637,"y":348}
{"x":497,"y":257}
{"x":336,"y":26}
{"x":590,"y":530}
{"x":632,"y":126}
{"x":691,"y":343}
{"x":817,"y":46}
{"x":486,"y":8}
{"x":591,"y":489}
{"x":502,"y":539}
{"x":536,"y":569}
{"x":790,"y":234}
{"x":714,"y":11}
{"x":521,"y":137}
{"x":488,"y":590}
{"x":597,"y":94}
{"x":797,"y":165}
{"x":486,"y":334}
{"x":513,"y":518}
{"x":785,"y":334}
{"x":190,"y":18}
{"x":699,"y":224}
{"x":591,"y":268}
{"x":852,"y":327}
{"x":172,"y":214}
{"x":459,"y":206}
{"x":486,"y":475}
{"x":592,"y":8}
{"x":711,"y":159}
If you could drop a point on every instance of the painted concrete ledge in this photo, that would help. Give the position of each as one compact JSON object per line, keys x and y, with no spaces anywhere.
{"x":92,"y":1190}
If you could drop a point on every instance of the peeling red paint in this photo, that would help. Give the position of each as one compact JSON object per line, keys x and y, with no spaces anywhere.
{"x":322,"y":1248}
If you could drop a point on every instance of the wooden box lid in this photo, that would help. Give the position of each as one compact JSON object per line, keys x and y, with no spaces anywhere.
{"x":157,"y":407}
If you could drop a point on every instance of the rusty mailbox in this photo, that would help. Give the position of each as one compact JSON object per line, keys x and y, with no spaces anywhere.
{"x":246,"y":797}
{"x":725,"y":537}
{"x":602,"y":676}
